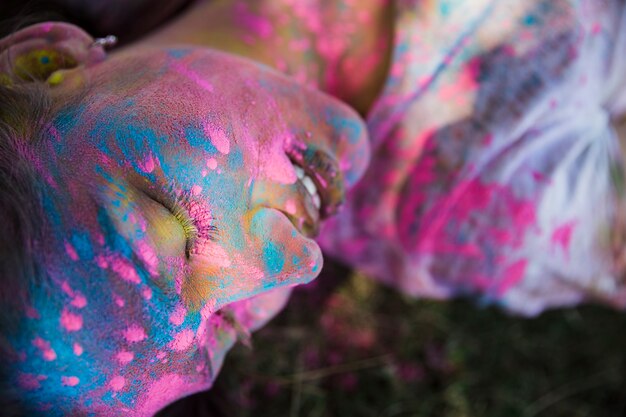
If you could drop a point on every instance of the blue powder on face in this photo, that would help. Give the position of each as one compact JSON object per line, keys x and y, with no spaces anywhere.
{"x":345,"y":126}
{"x":198,"y":139}
{"x":273,"y":257}
{"x":82,"y":244}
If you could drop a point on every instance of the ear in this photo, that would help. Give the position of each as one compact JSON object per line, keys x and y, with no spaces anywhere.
{"x":39,"y":51}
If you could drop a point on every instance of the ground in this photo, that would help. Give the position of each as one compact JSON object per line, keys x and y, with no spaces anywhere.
{"x":351,"y":347}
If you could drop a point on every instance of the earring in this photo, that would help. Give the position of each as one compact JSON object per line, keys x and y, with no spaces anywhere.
{"x":106,"y":42}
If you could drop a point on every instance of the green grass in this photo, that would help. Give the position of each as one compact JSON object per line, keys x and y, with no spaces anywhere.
{"x":354,"y":348}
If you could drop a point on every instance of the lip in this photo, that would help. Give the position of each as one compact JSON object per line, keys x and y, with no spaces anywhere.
{"x":324,"y":170}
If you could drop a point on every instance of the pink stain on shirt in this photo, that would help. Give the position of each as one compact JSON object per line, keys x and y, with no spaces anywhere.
{"x":69,"y":381}
{"x":134,"y":333}
{"x":70,"y":321}
{"x":182,"y":340}
{"x":512,"y":276}
{"x":562,"y":236}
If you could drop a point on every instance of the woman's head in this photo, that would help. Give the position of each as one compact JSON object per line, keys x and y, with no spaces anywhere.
{"x":169,"y":188}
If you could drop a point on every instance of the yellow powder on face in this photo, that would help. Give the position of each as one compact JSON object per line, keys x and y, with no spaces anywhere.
{"x":56,"y":78}
{"x":41,"y":63}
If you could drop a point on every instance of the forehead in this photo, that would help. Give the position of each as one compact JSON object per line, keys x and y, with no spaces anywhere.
{"x":186,"y":85}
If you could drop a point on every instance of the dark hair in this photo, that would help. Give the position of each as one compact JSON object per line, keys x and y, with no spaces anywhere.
{"x":25,"y":111}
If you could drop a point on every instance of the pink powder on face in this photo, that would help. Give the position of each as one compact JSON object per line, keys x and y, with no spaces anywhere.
{"x":65,"y":287}
{"x":193,"y":76}
{"x":69,"y":381}
{"x":211,"y":163}
{"x":290,"y":207}
{"x":125,"y":270}
{"x":178,"y":316}
{"x":78,"y":349}
{"x":149,"y":257}
{"x":218,"y":138}
{"x":70,"y":321}
{"x":118,"y":300}
{"x":30,"y":382}
{"x":161,"y":392}
{"x":124,"y":357}
{"x":117,"y":383}
{"x":79,"y":301}
{"x":148,"y":165}
{"x":196,"y":190}
{"x":182,"y":340}
{"x":146,"y":293}
{"x":134,"y":333}
{"x":46,"y":351}
{"x":214,"y":252}
{"x":71,"y":252}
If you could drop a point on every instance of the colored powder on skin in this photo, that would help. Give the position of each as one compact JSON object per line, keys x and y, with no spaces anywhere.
{"x":182,"y":340}
{"x":124,"y":357}
{"x":69,"y":381}
{"x":78,"y":349}
{"x":117,"y":383}
{"x":79,"y":301}
{"x":146,"y":293}
{"x":178,"y":316}
{"x":125,"y":270}
{"x":134,"y":333}
{"x":149,"y":257}
{"x":48,"y":353}
{"x":148,"y":165}
{"x":193,"y":76}
{"x":71,"y":252}
{"x":274,"y":258}
{"x":70,"y":321}
{"x":196,"y":190}
{"x":290,"y":207}
{"x":218,"y":138}
{"x":30,"y":382}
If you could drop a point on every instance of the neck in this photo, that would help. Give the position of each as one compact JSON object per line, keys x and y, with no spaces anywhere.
{"x":339,"y":47}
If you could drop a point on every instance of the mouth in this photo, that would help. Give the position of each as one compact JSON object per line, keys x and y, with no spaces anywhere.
{"x":322,"y":184}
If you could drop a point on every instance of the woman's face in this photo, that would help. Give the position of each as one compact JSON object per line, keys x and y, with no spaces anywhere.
{"x":184,"y":180}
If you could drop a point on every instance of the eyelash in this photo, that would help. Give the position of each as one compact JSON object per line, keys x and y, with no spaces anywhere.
{"x":194,"y":217}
